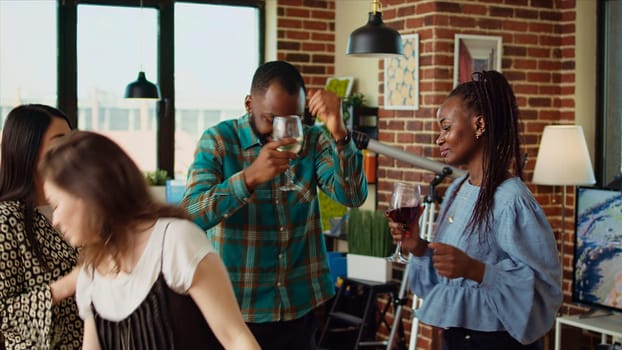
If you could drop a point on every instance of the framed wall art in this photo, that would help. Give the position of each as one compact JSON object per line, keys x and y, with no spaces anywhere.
{"x":401,"y":77}
{"x":474,"y":53}
{"x":342,"y":86}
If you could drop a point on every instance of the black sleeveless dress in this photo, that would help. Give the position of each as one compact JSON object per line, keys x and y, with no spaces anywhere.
{"x":164,"y":320}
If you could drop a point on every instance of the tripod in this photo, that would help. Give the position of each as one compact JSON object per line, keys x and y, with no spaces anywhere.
{"x":426,"y":223}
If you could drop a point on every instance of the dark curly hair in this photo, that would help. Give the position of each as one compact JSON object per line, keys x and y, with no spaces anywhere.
{"x":287,"y":76}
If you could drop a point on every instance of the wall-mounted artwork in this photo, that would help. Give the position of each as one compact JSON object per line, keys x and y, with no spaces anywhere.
{"x":475,"y":53}
{"x":401,"y":77}
{"x":342,"y":86}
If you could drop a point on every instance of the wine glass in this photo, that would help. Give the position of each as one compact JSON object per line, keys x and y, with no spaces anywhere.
{"x":283,"y":127}
{"x":405,"y":207}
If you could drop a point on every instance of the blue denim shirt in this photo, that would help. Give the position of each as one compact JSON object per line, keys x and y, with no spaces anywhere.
{"x":521,"y":289}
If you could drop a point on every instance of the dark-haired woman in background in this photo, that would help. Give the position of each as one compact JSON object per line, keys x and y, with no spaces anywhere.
{"x":491,"y":276}
{"x":37,"y":308}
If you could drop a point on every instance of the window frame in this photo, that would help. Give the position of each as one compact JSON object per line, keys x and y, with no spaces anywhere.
{"x":67,"y":62}
{"x":608,"y":154}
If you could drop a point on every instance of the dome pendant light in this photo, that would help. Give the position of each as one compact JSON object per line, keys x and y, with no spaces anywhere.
{"x":375,"y":39}
{"x":142,"y":88}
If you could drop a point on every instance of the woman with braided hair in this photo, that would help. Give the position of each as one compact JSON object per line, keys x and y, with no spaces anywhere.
{"x":491,"y":276}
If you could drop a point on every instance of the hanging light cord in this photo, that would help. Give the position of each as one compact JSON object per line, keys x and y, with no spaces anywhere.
{"x":376,"y":6}
{"x":142,"y":35}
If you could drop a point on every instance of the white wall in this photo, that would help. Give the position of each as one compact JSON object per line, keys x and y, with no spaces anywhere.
{"x":270,"y":30}
{"x":585,"y":70}
{"x":349,"y":15}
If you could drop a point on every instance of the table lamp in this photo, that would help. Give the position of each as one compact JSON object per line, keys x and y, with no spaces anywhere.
{"x":563,"y":159}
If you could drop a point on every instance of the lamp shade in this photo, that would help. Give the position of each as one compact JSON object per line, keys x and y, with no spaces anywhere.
{"x":375,"y":39}
{"x":563,"y":157}
{"x":142,"y":88}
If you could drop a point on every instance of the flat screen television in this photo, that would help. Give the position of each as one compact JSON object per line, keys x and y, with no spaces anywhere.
{"x":597,"y":269}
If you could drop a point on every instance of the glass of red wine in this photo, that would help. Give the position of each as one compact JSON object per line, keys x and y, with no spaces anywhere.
{"x":405,"y":207}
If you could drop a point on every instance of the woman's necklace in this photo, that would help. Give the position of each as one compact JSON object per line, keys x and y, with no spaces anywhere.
{"x":454,"y":206}
{"x":457,"y":200}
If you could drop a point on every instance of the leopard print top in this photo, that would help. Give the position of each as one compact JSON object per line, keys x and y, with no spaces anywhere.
{"x":29,"y":320}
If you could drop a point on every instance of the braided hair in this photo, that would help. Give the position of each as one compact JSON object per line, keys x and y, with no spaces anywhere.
{"x":490,"y":95}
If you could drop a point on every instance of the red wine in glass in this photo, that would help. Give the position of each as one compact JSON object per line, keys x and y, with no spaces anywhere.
{"x":404,"y":207}
{"x":404,"y":215}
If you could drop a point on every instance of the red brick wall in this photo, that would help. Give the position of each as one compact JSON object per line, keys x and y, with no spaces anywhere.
{"x":306,"y":38}
{"x":538,"y":60}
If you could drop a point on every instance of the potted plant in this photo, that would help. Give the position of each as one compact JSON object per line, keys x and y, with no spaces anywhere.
{"x":157,"y":183}
{"x":369,"y":243}
{"x":351,"y":102}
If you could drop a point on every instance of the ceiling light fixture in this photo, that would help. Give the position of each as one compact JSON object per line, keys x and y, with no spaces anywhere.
{"x":375,"y":39}
{"x":142,"y":88}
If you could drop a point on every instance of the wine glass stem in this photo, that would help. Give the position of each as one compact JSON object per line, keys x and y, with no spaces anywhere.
{"x":288,"y":175}
{"x":398,"y":248}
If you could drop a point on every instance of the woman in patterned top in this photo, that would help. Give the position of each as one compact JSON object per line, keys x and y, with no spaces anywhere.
{"x":37,"y":308}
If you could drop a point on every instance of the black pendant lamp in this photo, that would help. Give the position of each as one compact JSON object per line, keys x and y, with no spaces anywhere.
{"x":142,"y":88}
{"x":375,"y":39}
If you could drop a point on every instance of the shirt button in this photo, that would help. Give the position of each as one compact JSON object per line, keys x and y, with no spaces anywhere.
{"x":282,"y":229}
{"x":226,"y":215}
{"x":278,"y":284}
{"x":276,"y":201}
{"x":467,"y":337}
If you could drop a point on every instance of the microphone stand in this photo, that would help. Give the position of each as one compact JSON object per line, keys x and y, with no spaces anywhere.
{"x":426,"y":222}
{"x":363,"y":141}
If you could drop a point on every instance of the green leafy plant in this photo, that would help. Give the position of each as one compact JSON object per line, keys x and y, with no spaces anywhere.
{"x":157,"y":177}
{"x":368,"y":233}
{"x":356,"y":99}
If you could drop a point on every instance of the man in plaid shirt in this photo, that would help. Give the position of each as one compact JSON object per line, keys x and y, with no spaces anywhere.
{"x":271,"y":240}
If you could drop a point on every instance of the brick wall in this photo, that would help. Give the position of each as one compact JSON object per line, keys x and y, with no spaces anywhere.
{"x":538,"y":60}
{"x":306,"y":38}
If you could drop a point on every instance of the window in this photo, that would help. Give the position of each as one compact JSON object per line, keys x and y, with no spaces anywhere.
{"x":212,"y":72}
{"x":186,"y":47}
{"x":113,"y":45}
{"x":27,"y":54}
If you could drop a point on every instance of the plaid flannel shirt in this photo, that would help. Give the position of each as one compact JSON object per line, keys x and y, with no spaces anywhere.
{"x":271,"y":241}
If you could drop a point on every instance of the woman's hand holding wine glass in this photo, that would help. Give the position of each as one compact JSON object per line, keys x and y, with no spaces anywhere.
{"x":404,"y":211}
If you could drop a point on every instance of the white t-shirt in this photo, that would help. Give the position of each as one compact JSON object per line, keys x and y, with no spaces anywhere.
{"x":185,"y":245}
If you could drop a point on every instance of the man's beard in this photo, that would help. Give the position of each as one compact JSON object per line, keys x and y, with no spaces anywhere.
{"x":263,"y":138}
